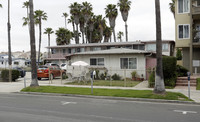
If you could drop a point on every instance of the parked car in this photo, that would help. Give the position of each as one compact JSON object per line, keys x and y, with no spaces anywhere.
{"x":63,"y":66}
{"x":21,"y":71}
{"x":54,"y":71}
{"x":51,"y":64}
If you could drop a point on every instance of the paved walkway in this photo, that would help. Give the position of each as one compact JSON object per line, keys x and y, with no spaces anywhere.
{"x":17,"y":86}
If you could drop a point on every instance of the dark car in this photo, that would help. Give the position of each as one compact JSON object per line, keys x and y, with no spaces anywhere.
{"x":21,"y":71}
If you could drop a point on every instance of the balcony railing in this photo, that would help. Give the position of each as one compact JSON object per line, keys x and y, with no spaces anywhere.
{"x":196,"y":10}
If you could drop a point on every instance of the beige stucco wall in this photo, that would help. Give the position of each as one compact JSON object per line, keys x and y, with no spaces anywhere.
{"x":112,"y":63}
{"x":181,"y":19}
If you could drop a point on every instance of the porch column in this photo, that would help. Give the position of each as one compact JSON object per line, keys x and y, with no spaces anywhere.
{"x":191,"y":38}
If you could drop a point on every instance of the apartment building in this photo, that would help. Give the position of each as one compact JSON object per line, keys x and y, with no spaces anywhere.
{"x":187,"y":28}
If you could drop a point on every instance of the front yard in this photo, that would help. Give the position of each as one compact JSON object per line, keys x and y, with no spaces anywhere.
{"x":120,"y":83}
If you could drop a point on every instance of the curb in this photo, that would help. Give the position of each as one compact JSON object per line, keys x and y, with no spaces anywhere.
{"x":113,"y":98}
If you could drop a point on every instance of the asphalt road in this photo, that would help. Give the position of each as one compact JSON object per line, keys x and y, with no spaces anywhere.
{"x":43,"y":108}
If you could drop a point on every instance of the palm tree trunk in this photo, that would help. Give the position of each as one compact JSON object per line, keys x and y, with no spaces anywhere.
{"x":83,"y":38}
{"x":114,"y":34}
{"x":77,"y":35}
{"x":9,"y":44}
{"x":126,"y":31}
{"x":159,"y":83}
{"x":49,"y":45}
{"x":90,"y":41}
{"x":34,"y":81}
{"x":73,"y":27}
{"x":40,"y":34}
{"x":86,"y":36}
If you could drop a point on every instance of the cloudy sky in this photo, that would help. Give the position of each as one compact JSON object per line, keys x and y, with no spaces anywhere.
{"x":141,"y":21}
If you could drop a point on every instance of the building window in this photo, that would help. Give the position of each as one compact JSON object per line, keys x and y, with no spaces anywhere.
{"x":69,"y":51}
{"x":16,"y":63}
{"x":151,"y":47}
{"x":128,"y":63}
{"x":183,"y":31}
{"x":64,"y":51}
{"x":97,"y":61}
{"x":183,"y":6}
{"x":53,"y":51}
{"x":165,"y":47}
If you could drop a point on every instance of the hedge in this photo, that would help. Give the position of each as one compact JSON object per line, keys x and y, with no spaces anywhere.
{"x":5,"y":75}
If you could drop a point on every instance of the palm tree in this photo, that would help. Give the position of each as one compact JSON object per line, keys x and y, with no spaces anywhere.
{"x":39,"y":16}
{"x":1,"y":6}
{"x":91,"y":28}
{"x":71,"y":20}
{"x":82,"y":28}
{"x":124,"y":9}
{"x":172,"y":7}
{"x":107,"y":33}
{"x":111,"y":13}
{"x":9,"y":44}
{"x":34,"y":82}
{"x":48,"y":31}
{"x":26,"y":5}
{"x":75,"y":10}
{"x":65,"y":15}
{"x":63,"y":36}
{"x":119,"y":35}
{"x":159,"y":80}
{"x":87,"y":13}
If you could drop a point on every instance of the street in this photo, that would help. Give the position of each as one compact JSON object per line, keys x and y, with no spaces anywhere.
{"x":42,"y":108}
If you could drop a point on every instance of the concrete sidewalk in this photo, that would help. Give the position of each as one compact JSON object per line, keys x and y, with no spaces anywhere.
{"x":17,"y":86}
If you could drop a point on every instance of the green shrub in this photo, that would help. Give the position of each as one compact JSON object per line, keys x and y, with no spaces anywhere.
{"x":116,"y":77}
{"x":169,"y":70}
{"x":198,"y":83}
{"x":181,"y":71}
{"x":133,"y":74}
{"x":152,"y":79}
{"x":5,"y":75}
{"x":102,"y":76}
{"x":178,"y":54}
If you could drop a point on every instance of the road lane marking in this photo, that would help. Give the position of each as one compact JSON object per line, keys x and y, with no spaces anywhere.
{"x":66,"y":103}
{"x":185,"y":112}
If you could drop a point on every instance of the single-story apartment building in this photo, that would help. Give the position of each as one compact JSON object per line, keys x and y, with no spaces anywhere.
{"x":121,"y":61}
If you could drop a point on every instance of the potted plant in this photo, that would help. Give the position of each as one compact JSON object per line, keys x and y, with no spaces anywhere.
{"x":134,"y":73}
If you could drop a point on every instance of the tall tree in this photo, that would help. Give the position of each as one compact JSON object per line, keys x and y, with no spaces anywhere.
{"x":63,"y":36}
{"x":39,"y":16}
{"x":1,"y":6}
{"x":71,"y":20}
{"x":34,"y":81}
{"x":124,"y":9}
{"x":119,"y":35}
{"x":172,"y":7}
{"x":26,"y":19}
{"x":65,"y":15}
{"x":48,"y":31}
{"x":26,"y":5}
{"x":159,"y":80}
{"x":111,"y":13}
{"x":75,"y":11}
{"x":107,"y":33}
{"x":87,"y":14}
{"x":9,"y":44}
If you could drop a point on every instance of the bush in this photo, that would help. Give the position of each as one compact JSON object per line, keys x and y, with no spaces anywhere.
{"x":178,"y":54}
{"x":181,"y":71}
{"x":169,"y":70}
{"x":116,"y":77}
{"x":102,"y":76}
{"x":198,"y":83}
{"x":152,"y":79}
{"x":5,"y":75}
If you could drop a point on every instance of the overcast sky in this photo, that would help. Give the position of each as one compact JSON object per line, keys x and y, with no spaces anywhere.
{"x":141,"y":21}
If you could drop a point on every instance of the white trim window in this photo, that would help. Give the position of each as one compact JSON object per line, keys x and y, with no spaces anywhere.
{"x":96,"y":61}
{"x":128,"y":63}
{"x":183,"y":6}
{"x":183,"y":31}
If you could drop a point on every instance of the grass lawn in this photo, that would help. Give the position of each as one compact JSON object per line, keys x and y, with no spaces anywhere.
{"x":107,"y":92}
{"x":198,"y":83}
{"x":129,"y":83}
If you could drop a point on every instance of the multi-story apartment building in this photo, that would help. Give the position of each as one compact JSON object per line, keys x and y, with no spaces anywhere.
{"x":59,"y":53}
{"x":187,"y":28}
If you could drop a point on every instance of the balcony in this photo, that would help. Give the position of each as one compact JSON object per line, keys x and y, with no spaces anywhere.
{"x":196,"y":12}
